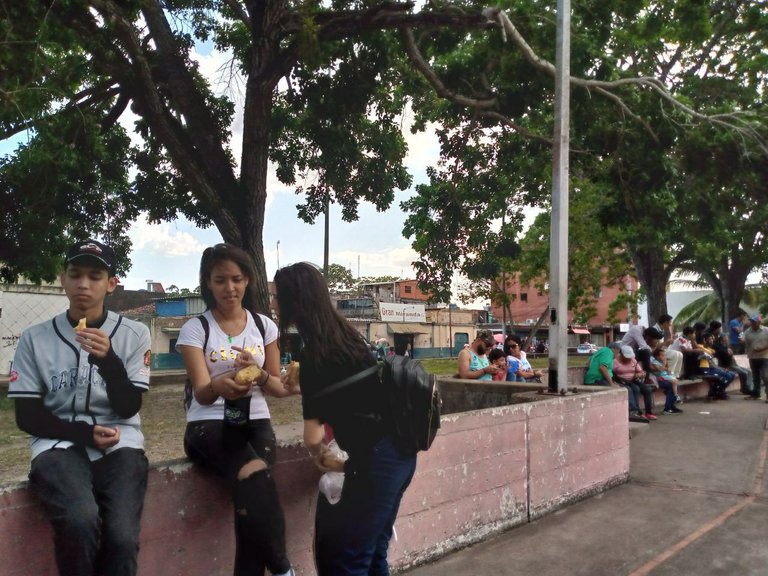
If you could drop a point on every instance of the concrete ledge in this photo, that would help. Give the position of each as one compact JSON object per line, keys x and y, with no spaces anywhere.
{"x":488,"y":470}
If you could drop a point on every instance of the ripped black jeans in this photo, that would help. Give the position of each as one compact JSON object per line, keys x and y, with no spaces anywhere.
{"x":259,"y":521}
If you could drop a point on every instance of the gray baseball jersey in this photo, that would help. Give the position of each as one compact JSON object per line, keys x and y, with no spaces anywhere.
{"x":49,"y":364}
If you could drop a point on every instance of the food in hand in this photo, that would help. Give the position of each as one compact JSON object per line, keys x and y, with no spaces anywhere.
{"x":248,"y":375}
{"x":80,"y":325}
{"x":292,"y":374}
{"x":332,"y":461}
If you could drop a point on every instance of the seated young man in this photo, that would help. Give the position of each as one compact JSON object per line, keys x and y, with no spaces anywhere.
{"x":77,"y":383}
{"x":473,"y":362}
{"x":725,"y":359}
{"x":600,"y":369}
{"x":707,"y":367}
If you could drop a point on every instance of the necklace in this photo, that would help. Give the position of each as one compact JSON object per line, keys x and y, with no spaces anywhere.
{"x":221,"y":323}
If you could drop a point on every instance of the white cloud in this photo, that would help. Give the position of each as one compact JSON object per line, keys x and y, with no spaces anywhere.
{"x":163,"y":239}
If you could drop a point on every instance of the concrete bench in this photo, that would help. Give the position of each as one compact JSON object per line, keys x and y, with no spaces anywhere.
{"x":488,"y":470}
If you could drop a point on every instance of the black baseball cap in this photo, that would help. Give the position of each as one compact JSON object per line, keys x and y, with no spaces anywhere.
{"x":94,"y":253}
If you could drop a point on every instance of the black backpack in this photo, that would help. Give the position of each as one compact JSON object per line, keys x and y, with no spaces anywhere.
{"x":412,"y":397}
{"x":188,"y":392}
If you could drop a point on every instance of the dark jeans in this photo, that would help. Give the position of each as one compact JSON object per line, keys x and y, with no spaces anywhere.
{"x":352,"y":536}
{"x":759,"y":368}
{"x":94,"y":507}
{"x":669,"y":399}
{"x":722,"y":379}
{"x":633,"y":393}
{"x":259,"y":521}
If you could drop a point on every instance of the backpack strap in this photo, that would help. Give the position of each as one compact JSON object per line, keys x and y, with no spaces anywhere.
{"x":348,"y":381}
{"x":260,"y":326}
{"x":188,"y":393}
{"x":206,"y":330}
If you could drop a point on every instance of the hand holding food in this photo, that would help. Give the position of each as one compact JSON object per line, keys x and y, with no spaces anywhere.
{"x":249,"y":375}
{"x":291,"y":380}
{"x":330,"y":461}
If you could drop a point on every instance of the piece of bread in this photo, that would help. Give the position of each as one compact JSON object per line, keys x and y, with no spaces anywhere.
{"x":292,"y":374}
{"x":248,"y":375}
{"x":330,"y":460}
{"x":80,"y":325}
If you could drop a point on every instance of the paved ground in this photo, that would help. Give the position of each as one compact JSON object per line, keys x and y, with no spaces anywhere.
{"x":696,"y":504}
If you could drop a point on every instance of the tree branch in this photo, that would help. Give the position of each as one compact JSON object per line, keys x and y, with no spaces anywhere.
{"x":238,"y":9}
{"x":181,"y":151}
{"x":733,"y":121}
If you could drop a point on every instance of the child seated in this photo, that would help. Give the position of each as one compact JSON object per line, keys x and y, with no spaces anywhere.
{"x":496,"y":358}
{"x":666,"y":380}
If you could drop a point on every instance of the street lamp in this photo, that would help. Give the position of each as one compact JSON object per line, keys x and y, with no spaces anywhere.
{"x":278,"y":254}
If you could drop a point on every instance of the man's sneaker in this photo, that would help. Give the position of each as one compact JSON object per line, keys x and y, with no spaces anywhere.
{"x":673,"y":410}
{"x":638,"y":418}
{"x":678,"y":400}
{"x":750,"y":397}
{"x":650,"y":416}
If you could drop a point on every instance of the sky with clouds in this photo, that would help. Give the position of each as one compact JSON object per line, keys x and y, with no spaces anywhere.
{"x":371,"y":246}
{"x":169,"y":252}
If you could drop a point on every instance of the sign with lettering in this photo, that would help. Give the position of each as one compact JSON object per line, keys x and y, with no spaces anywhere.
{"x":391,"y":312}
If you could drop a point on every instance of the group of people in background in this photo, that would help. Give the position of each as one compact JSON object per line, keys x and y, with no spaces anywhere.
{"x":486,"y":359}
{"x":647,"y":358}
{"x":78,"y":382}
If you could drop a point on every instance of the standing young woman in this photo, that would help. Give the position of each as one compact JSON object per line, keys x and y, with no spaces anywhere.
{"x":228,"y":427}
{"x":352,"y":536}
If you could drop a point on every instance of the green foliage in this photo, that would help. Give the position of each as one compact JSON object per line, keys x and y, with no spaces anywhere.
{"x":339,"y":279}
{"x":325,"y":87}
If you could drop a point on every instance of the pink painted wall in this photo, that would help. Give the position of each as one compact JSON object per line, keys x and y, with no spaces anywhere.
{"x":485,"y":472}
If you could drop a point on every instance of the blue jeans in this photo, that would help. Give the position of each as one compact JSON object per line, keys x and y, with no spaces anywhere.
{"x":723,"y":378}
{"x":669,"y":401}
{"x":352,"y":536}
{"x":94,"y":507}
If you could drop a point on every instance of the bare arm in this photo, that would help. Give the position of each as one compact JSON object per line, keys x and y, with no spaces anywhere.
{"x":466,"y":373}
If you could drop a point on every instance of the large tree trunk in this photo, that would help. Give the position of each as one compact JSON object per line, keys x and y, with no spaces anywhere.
{"x":653,"y":276}
{"x":733,"y":277}
{"x":262,"y":81}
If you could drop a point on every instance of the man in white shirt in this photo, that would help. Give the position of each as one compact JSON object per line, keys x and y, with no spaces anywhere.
{"x":756,"y":345}
{"x":674,"y":357}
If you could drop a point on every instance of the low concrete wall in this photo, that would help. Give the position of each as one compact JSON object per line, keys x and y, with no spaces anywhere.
{"x":488,"y":470}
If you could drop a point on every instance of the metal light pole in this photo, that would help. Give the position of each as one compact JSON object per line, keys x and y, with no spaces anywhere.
{"x":277,"y":249}
{"x":558,"y":251}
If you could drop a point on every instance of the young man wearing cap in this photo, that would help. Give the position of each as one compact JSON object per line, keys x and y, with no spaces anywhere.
{"x":77,"y":382}
{"x":473,"y":362}
{"x":756,"y":344}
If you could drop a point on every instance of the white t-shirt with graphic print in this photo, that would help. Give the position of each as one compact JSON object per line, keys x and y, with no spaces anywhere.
{"x":220,"y":358}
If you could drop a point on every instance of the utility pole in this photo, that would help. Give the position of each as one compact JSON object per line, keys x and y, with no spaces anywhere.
{"x":558,"y":250}
{"x":277,"y":249}
{"x":327,"y":240}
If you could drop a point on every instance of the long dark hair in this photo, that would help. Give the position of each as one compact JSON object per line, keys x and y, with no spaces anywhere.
{"x":226,"y":253}
{"x":304,"y":302}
